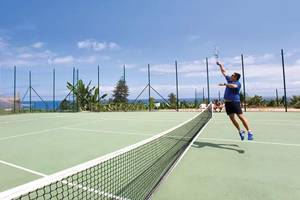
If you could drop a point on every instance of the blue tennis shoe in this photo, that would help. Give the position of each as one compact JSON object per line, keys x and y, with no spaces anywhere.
{"x":242,"y":134}
{"x":250,"y":135}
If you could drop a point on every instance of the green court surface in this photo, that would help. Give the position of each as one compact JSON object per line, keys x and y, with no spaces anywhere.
{"x":217,"y":165}
{"x":220,"y":166}
{"x":37,"y":145}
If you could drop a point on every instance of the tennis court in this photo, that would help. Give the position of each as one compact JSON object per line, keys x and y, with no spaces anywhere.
{"x":34,"y":146}
{"x":220,"y":166}
{"x":217,"y":166}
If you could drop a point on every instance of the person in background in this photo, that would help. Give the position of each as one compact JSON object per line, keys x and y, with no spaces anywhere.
{"x":218,"y":106}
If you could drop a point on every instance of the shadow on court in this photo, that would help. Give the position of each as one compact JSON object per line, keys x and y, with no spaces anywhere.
{"x":230,"y":147}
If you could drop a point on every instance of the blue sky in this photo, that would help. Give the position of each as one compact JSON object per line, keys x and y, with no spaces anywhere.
{"x":40,"y":35}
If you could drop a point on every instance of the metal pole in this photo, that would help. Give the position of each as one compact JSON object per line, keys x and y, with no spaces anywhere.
{"x":149,"y":87}
{"x":177,"y":98}
{"x":77,"y":76}
{"x":77,"y":100}
{"x":284,"y":84}
{"x":15,"y":84}
{"x":98,"y":83}
{"x":73,"y":88}
{"x":124,"y":73}
{"x":54,"y":107}
{"x":203,"y":96}
{"x":207,"y":77}
{"x":244,"y":85}
{"x":195,"y":97}
{"x":277,"y":100}
{"x":30,"y":91}
{"x":219,"y":95}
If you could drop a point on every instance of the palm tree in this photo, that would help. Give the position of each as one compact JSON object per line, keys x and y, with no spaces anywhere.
{"x":86,"y":96}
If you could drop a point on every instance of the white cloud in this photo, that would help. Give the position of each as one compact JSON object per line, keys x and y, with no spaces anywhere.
{"x":113,"y":45}
{"x":38,"y":57}
{"x":3,"y":43}
{"x":263,"y":73}
{"x":192,"y":38}
{"x":96,"y":46}
{"x":298,"y":62}
{"x":164,"y":89}
{"x":160,"y":69}
{"x":128,"y":66}
{"x":37,"y":45}
{"x":291,"y":53}
{"x":104,"y":57}
{"x":88,"y":59}
{"x":189,"y":68}
{"x":63,"y":60}
{"x":25,"y":55}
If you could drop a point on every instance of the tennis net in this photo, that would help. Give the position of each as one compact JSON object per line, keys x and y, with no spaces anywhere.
{"x":132,"y":173}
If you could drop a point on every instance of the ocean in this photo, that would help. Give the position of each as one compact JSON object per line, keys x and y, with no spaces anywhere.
{"x":48,"y":105}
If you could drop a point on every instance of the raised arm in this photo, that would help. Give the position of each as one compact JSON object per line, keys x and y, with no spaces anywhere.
{"x":223,"y":71}
{"x":231,"y":85}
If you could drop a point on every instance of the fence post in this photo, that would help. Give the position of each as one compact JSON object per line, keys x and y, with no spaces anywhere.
{"x":54,"y":107}
{"x":149,"y":87}
{"x":277,"y":100}
{"x":15,"y":85}
{"x":207,"y":78}
{"x":98,"y":78}
{"x":30,"y":108}
{"x":284,"y":84}
{"x":177,"y":98}
{"x":244,"y":85}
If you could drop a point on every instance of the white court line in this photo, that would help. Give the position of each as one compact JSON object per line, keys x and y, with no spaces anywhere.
{"x":33,"y":119}
{"x":107,"y":131}
{"x":15,"y":192}
{"x":42,"y":131}
{"x":71,"y":117}
{"x":23,"y":168}
{"x":186,"y":150}
{"x":47,"y":130}
{"x":249,"y":142}
{"x":265,"y":123}
{"x":266,"y":120}
{"x":181,"y":156}
{"x":144,"y":120}
{"x":79,"y":186}
{"x":92,"y":190}
{"x":30,"y":133}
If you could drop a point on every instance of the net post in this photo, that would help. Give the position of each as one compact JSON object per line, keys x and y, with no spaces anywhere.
{"x":284,"y":83}
{"x":207,"y":78}
{"x":149,"y":88}
{"x":15,"y":85}
{"x":244,"y":85}
{"x":177,"y":98}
